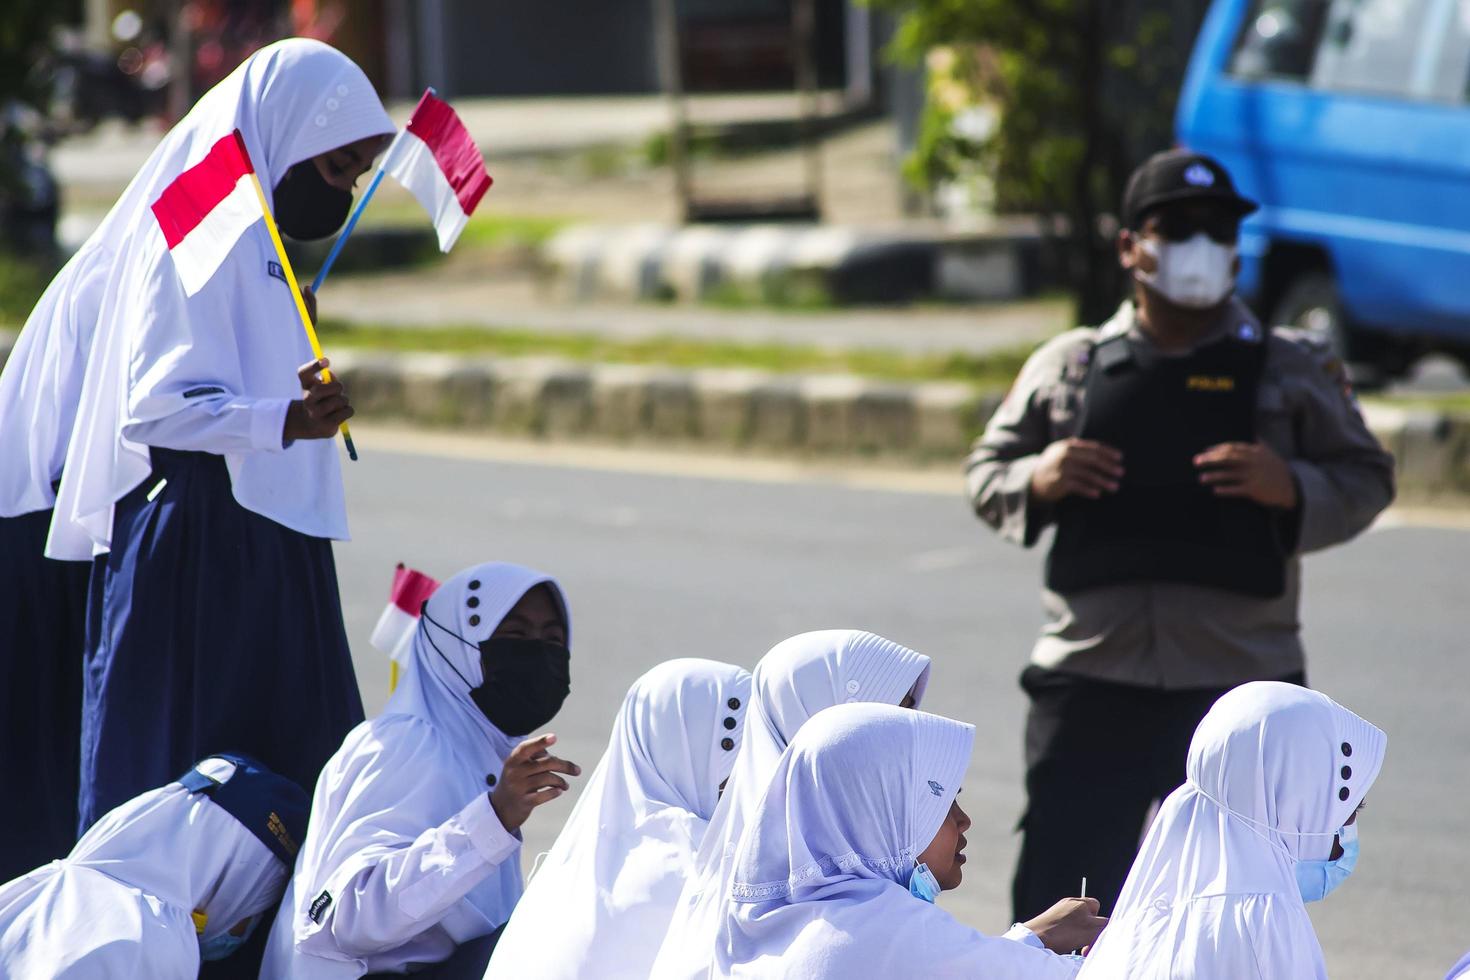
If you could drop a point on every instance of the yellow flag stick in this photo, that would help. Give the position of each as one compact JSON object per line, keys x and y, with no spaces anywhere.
{"x":392,"y":676}
{"x":316,"y":345}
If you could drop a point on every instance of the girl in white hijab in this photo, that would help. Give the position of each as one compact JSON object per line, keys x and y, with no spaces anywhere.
{"x":607,"y":889}
{"x":1265,"y":821}
{"x":178,"y":875}
{"x":196,"y":472}
{"x":414,"y":846}
{"x":796,"y":679}
{"x":836,"y":873}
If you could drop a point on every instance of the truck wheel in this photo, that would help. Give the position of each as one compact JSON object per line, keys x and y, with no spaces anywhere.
{"x":1311,"y":303}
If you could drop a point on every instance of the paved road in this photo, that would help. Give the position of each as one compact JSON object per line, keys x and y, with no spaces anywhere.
{"x":660,"y":565}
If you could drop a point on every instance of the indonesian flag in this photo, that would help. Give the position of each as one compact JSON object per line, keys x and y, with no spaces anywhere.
{"x":206,"y":209}
{"x":435,"y":158}
{"x":411,"y":589}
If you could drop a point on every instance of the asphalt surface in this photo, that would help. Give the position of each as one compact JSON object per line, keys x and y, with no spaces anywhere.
{"x":725,"y":563}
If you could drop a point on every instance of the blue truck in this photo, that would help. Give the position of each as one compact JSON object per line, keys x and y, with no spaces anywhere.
{"x":1349,"y":121}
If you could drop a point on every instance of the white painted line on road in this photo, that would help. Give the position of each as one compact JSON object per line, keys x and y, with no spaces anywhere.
{"x":934,"y":481}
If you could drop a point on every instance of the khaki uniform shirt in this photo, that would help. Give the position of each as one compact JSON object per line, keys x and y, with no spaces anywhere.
{"x":1165,"y":634}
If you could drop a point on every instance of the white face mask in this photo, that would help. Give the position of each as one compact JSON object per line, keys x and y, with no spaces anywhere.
{"x":1197,"y":273}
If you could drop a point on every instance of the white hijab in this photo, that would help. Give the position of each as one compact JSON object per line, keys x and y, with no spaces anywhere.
{"x":1213,"y":890}
{"x":424,"y":759}
{"x":119,"y":905}
{"x":607,"y":890}
{"x":291,"y":100}
{"x":820,"y":884}
{"x":796,"y":679}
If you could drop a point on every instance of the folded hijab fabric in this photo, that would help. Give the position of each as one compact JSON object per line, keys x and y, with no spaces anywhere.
{"x":121,"y":904}
{"x":601,"y":901}
{"x":794,"y":681}
{"x":820,"y":882}
{"x":405,"y":858}
{"x":1274,"y":771}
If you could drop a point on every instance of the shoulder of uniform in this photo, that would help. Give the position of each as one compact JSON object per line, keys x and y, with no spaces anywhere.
{"x":1058,"y":354}
{"x":1064,"y":344}
{"x":1305,"y":353}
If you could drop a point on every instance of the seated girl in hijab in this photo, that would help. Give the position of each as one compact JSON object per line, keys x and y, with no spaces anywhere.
{"x":414,"y":847}
{"x":796,"y":679}
{"x":178,"y":875}
{"x":858,"y":831}
{"x":1265,"y":822}
{"x":607,"y":890}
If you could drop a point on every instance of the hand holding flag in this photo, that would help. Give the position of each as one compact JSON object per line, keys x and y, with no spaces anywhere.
{"x":204,"y":212}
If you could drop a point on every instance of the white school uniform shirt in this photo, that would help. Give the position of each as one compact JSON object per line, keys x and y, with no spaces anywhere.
{"x":820,"y":883}
{"x":796,"y":679}
{"x":1274,"y":771}
{"x":405,"y":858}
{"x":602,"y":899}
{"x":212,"y":372}
{"x":120,"y":904}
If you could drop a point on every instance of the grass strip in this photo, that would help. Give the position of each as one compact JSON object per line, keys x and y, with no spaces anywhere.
{"x":995,"y":370}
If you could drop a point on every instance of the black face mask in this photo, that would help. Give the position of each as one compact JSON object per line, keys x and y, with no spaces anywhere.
{"x":526,"y":682}
{"x":307,"y":207}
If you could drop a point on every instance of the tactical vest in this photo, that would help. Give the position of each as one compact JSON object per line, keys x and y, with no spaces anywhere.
{"x":1162,"y":524}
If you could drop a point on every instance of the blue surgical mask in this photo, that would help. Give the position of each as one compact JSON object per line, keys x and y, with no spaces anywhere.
{"x":923,"y":885}
{"x":1318,"y":879}
{"x":224,"y":944}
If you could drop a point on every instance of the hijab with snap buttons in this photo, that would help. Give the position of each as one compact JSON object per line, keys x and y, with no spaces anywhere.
{"x":608,"y":887}
{"x":421,"y":761}
{"x":819,"y":888}
{"x":795,"y":680}
{"x":121,"y":903}
{"x":1274,"y":771}
{"x":155,"y":348}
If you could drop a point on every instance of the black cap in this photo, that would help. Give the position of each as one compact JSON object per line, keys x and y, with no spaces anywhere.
{"x":1180,"y":175}
{"x":271,"y":807}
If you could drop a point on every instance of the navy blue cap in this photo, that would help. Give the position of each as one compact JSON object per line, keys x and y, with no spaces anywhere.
{"x":271,"y":807}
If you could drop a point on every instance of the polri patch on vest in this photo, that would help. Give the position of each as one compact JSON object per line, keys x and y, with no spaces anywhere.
{"x":275,"y":271}
{"x":1206,"y":382}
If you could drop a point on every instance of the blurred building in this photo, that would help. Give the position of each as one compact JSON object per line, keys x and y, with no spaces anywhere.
{"x":575,"y":47}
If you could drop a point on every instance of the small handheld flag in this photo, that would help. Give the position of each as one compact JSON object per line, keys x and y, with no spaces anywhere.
{"x":411,"y":589}
{"x":437,"y":160}
{"x":206,"y":209}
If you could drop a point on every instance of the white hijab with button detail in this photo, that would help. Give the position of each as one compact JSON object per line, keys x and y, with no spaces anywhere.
{"x":421,"y":761}
{"x":608,"y":887}
{"x":1274,"y":771}
{"x":794,"y":681}
{"x":155,"y":349}
{"x":820,"y":884}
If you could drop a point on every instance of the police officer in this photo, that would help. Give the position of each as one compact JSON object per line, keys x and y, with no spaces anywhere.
{"x":1187,"y":456}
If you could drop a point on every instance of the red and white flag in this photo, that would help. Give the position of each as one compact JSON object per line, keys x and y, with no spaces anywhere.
{"x":411,"y":589}
{"x":206,"y":209}
{"x":437,"y":160}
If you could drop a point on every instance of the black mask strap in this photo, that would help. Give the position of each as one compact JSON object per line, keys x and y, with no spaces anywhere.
{"x":426,"y":618}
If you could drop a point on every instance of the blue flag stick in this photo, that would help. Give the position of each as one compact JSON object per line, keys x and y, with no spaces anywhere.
{"x":316,"y":284}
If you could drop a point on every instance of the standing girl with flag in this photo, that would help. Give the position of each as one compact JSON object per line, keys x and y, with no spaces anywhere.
{"x":201,"y":472}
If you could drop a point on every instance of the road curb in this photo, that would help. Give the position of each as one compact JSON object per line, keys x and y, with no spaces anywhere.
{"x":785,"y":263}
{"x":765,"y":412}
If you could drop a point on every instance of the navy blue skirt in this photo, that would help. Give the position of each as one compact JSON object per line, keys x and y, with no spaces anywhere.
{"x":43,"y":608}
{"x":209,"y":629}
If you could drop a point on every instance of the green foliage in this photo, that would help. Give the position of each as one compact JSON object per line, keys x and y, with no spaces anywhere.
{"x":22,"y":281}
{"x":1086,"y":90}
